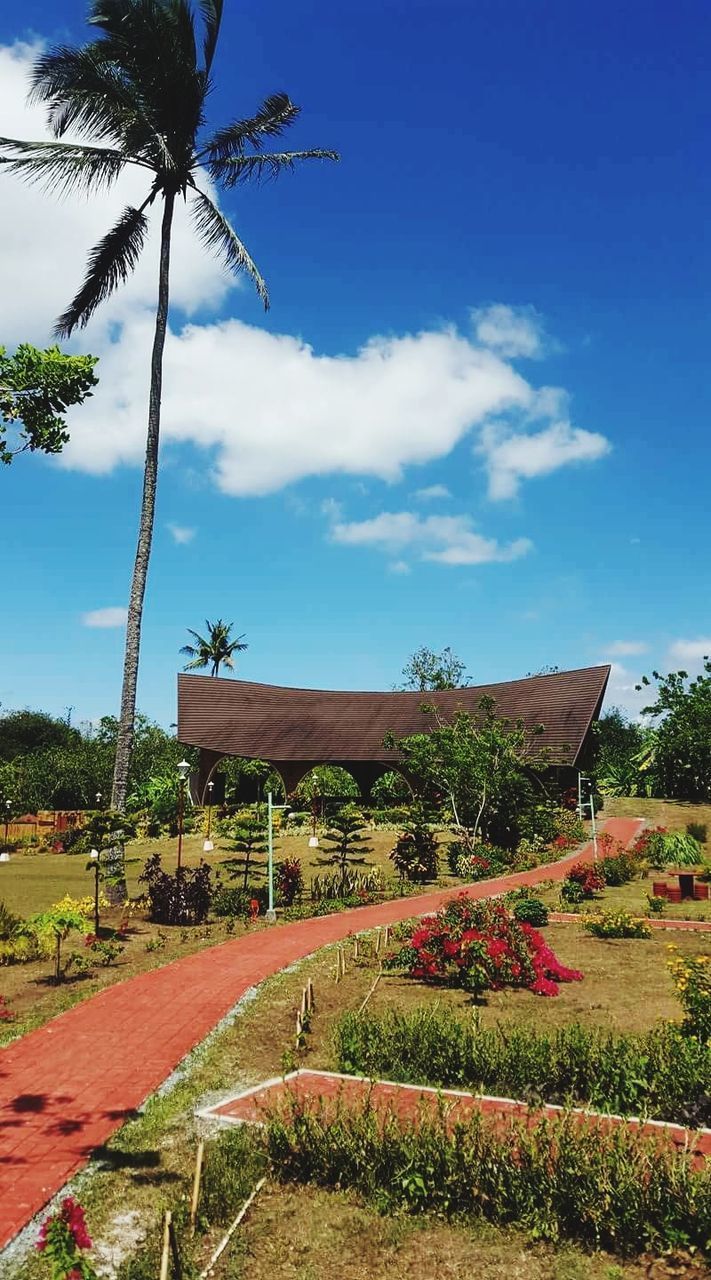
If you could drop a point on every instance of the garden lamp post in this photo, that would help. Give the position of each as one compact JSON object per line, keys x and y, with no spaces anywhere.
{"x":94,"y":859}
{"x":98,"y":799}
{"x":271,"y":913}
{"x":590,"y":805}
{"x":183,"y":771}
{"x":208,"y":846}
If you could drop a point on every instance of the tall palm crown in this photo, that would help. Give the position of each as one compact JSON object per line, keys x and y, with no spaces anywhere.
{"x":139,"y":93}
{"x":215,"y":649}
{"x":136,"y":95}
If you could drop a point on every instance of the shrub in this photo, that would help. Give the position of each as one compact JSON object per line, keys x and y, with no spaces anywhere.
{"x":415,"y":855}
{"x":617,"y":924}
{"x":230,"y":901}
{"x":181,"y":898}
{"x":345,"y":842}
{"x":289,"y":881}
{"x":549,"y":822}
{"x":6,"y":1014}
{"x":480,"y":946}
{"x":546,"y":1176}
{"x":480,"y":863}
{"x":571,"y":893}
{"x":620,"y":869}
{"x":656,"y":905}
{"x":350,"y":884}
{"x":20,"y":950}
{"x":697,"y":831}
{"x":692,"y":979}
{"x":9,"y":923}
{"x":660,"y":1072}
{"x":531,"y":911}
{"x":673,"y":848}
{"x":588,"y":876}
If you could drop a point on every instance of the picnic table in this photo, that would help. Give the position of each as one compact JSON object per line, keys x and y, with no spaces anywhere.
{"x":690,"y":885}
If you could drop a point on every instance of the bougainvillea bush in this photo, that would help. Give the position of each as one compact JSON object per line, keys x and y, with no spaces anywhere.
{"x":584,"y":880}
{"x":480,"y":946}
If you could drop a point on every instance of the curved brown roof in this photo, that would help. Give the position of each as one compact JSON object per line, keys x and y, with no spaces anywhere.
{"x":269,"y":722}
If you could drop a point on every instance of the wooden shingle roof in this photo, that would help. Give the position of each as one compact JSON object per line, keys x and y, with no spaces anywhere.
{"x":270,"y":722}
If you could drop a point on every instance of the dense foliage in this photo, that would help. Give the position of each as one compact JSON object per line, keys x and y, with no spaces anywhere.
{"x":36,"y":389}
{"x":480,"y":946}
{"x":345,"y":843}
{"x":547,"y":1176}
{"x":661,"y":1072}
{"x":181,"y":898}
{"x":415,"y":855}
{"x":427,"y":670}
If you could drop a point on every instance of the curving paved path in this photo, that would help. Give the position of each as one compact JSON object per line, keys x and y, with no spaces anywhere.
{"x":67,"y":1087}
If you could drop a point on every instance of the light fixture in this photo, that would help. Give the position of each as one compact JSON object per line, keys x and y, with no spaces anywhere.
{"x":4,"y":856}
{"x":94,"y":853}
{"x":207,"y":844}
{"x":183,"y":769}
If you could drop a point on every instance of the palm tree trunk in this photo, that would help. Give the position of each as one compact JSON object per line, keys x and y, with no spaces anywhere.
{"x":124,"y":741}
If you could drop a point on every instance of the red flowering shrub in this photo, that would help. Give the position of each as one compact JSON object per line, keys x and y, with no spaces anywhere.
{"x":6,"y":1014}
{"x":62,"y":1238}
{"x":480,"y":946}
{"x":290,"y":880}
{"x":640,"y":847}
{"x":590,"y":878}
{"x":563,"y":842}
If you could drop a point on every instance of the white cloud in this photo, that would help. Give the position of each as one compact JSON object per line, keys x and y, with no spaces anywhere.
{"x":431,"y":492}
{"x":444,"y":539}
{"x":111,"y":616}
{"x":513,"y":456}
{"x":180,"y":533}
{"x":510,"y":331}
{"x":621,"y":691}
{"x":399,"y":566}
{"x":690,"y":652}
{"x":264,"y":409}
{"x":626,"y":648}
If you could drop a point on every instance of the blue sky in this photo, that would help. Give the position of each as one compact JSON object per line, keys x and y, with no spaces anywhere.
{"x":500,"y":294}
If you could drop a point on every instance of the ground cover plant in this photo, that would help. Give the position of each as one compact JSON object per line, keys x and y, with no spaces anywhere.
{"x":480,"y":946}
{"x":662,"y":1072}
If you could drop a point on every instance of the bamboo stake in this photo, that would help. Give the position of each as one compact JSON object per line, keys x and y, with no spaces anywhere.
{"x":378,"y":940}
{"x":355,"y":947}
{"x":387,"y":935}
{"x":299,"y":1029}
{"x":310,"y":990}
{"x":372,"y":989}
{"x":177,"y":1263}
{"x":165,"y":1251}
{"x":229,"y":1234}
{"x":196,"y":1185}
{"x":304,"y":1003}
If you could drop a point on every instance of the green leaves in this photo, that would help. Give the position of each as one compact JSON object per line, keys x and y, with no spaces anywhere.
{"x":218,"y":236}
{"x":36,"y":389}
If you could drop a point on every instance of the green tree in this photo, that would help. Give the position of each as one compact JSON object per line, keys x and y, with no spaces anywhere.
{"x":345,"y":843}
{"x":618,"y":764}
{"x":51,"y":927}
{"x":326,"y":783}
{"x":680,"y":759}
{"x":36,"y":389}
{"x":415,"y":855}
{"x":248,"y":839}
{"x":482,"y":767}
{"x":137,"y":95}
{"x":24,"y":732}
{"x":214,"y":650}
{"x":429,"y":670}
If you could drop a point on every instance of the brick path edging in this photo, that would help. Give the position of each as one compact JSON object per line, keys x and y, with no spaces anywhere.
{"x":66,"y":1087}
{"x":250,"y":1105}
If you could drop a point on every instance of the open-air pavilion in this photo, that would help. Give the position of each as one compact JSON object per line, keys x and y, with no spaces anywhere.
{"x":297,"y":729}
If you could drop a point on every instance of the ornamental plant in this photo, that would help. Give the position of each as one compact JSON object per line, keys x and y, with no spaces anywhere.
{"x":181,"y":898}
{"x":290,"y":880}
{"x":415,"y":854}
{"x":584,"y":880}
{"x":52,"y":927}
{"x":64,"y":1240}
{"x":691,"y":976}
{"x":6,"y":1014}
{"x":480,"y":946}
{"x":617,"y":924}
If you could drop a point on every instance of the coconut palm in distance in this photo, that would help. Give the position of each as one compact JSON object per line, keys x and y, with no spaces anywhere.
{"x":136,"y":95}
{"x":215,"y":649}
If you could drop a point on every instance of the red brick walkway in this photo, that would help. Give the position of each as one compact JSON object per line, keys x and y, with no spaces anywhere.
{"x":407,"y":1100}
{"x":67,"y":1087}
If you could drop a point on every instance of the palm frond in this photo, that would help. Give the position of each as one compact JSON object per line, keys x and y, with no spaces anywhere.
{"x":211,"y":11}
{"x":217,"y":235}
{"x":275,"y":115}
{"x":261,"y":167}
{"x":63,"y":166}
{"x":87,"y":91}
{"x":111,"y":262}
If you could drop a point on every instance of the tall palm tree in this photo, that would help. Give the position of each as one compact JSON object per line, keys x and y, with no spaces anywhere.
{"x":215,"y":649}
{"x":137,"y":95}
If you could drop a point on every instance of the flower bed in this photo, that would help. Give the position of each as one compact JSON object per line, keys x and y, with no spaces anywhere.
{"x":480,"y":946}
